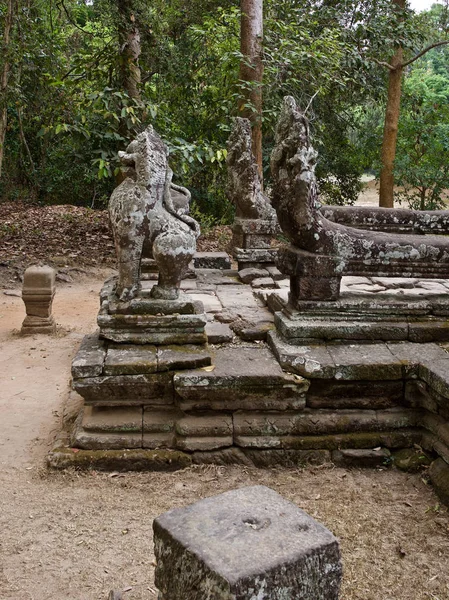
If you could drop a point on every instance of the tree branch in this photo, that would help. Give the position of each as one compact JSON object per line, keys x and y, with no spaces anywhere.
{"x":382,"y":63}
{"x":412,"y":60}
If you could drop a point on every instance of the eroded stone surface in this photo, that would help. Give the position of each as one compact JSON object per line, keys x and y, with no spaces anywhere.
{"x":185,"y":356}
{"x":243,"y":378}
{"x":127,"y":359}
{"x":211,"y":260}
{"x":248,"y":543}
{"x":89,"y":359}
{"x":218,"y":333}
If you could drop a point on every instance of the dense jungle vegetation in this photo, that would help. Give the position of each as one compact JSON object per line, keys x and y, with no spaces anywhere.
{"x":79,"y":78}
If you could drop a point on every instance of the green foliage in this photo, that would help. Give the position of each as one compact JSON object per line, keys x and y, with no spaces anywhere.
{"x":68,"y":113}
{"x":422,"y":163}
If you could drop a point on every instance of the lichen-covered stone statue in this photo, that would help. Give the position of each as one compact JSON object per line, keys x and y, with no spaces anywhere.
{"x":334,"y":249}
{"x":255,"y":221}
{"x":148,"y":211}
{"x":244,"y":186}
{"x":321,"y":251}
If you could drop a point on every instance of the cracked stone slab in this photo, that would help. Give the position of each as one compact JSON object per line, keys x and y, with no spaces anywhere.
{"x":235,"y":298}
{"x":275,"y":273}
{"x":188,"y":284}
{"x":365,"y":288}
{"x":436,"y":374}
{"x":276,"y":300}
{"x":185,"y":356}
{"x":322,"y":421}
{"x":394,"y":282}
{"x":204,"y":432}
{"x":89,"y":359}
{"x":400,"y":438}
{"x":365,"y":361}
{"x":263,"y":282}
{"x":126,"y":390}
{"x":256,"y":545}
{"x":218,"y":333}
{"x":255,"y":326}
{"x":354,"y":280}
{"x":308,"y":361}
{"x":248,"y":275}
{"x":210,"y":302}
{"x":130,"y":359}
{"x":412,"y":355}
{"x":217,"y":277}
{"x":159,"y":427}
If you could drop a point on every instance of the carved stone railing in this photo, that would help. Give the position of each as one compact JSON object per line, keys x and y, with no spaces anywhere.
{"x":400,"y":220}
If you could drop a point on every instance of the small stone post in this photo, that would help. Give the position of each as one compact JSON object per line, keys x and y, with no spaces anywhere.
{"x":37,"y":293}
{"x":246,"y":544}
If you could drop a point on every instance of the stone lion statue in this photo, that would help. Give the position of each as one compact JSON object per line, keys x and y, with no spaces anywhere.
{"x":149,"y":215}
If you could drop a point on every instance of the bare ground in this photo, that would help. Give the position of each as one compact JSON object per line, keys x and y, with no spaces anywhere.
{"x":78,"y":535}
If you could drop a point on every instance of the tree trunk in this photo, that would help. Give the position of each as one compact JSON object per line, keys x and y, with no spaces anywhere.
{"x":4,"y":77}
{"x":251,"y":71}
{"x":129,"y":40}
{"x":390,"y":135}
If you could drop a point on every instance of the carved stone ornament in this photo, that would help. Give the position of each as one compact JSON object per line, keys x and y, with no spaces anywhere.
{"x":148,"y":215}
{"x":244,"y":186}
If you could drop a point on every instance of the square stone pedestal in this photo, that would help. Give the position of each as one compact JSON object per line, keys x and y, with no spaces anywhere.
{"x":37,"y":294}
{"x":245,"y":544}
{"x":251,"y":240}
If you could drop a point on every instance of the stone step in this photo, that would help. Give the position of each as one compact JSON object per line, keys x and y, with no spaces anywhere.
{"x":242,"y":378}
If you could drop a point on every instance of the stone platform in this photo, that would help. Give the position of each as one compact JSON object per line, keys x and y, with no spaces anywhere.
{"x":241,"y":401}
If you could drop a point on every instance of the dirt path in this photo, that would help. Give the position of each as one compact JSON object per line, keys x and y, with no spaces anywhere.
{"x":76,"y":536}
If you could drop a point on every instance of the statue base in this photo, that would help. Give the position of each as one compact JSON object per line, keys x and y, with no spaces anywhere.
{"x":251,"y":240}
{"x":147,"y":320}
{"x":365,"y":319}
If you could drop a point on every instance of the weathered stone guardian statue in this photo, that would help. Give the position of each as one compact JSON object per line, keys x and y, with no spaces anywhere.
{"x":322,"y":250}
{"x":255,"y":221}
{"x":148,"y":210}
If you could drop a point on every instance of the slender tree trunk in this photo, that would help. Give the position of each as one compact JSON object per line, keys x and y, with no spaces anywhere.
{"x":4,"y":77}
{"x":129,"y":40}
{"x":390,"y":135}
{"x":251,"y":71}
{"x":129,"y":52}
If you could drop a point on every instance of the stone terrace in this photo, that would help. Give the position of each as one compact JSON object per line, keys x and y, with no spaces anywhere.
{"x":262,"y":401}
